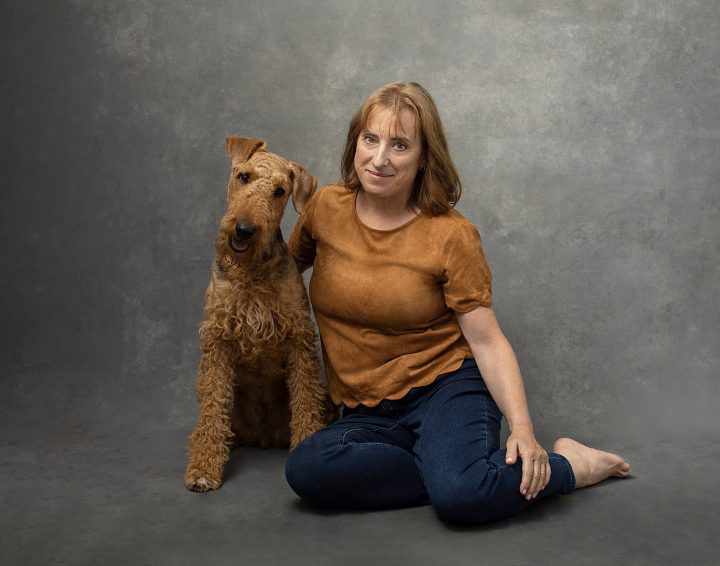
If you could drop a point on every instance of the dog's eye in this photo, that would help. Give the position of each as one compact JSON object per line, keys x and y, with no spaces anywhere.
{"x":244,"y":178}
{"x":278,"y":192}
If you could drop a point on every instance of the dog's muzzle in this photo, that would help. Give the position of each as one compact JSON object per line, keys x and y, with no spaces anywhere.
{"x":240,"y":241}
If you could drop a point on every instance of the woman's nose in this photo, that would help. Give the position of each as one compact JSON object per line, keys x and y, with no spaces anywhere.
{"x":380,"y":157}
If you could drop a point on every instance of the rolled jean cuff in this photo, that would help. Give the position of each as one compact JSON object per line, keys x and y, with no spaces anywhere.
{"x":563,"y":461}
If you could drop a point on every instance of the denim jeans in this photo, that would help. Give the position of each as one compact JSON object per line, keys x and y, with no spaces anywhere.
{"x":439,"y":445}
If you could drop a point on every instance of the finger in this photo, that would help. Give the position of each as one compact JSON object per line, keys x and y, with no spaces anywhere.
{"x":535,"y":479}
{"x":543,"y":475}
{"x":548,"y":473}
{"x":542,"y":481}
{"x":533,"y":489}
{"x":511,"y":456}
{"x":527,"y":475}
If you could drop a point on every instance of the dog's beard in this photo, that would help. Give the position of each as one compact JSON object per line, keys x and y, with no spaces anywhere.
{"x":258,"y":251}
{"x":226,"y":257}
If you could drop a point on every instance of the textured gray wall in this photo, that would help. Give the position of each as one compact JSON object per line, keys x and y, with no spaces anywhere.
{"x":587,"y":135}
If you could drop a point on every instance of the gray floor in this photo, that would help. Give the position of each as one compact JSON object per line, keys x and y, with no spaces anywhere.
{"x":89,"y":493}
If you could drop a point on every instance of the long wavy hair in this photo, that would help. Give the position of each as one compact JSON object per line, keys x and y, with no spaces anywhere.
{"x":437,"y":185}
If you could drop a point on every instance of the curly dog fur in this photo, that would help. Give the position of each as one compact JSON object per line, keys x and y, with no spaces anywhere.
{"x":258,"y":383}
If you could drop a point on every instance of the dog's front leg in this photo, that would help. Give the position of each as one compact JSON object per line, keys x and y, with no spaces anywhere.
{"x":308,"y":396}
{"x":211,"y":440}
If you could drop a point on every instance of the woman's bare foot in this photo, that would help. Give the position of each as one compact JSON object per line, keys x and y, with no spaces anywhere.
{"x":589,"y":465}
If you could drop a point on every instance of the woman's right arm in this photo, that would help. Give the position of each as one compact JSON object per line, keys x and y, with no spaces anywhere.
{"x":301,"y":243}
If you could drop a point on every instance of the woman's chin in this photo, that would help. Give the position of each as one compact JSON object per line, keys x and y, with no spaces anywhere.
{"x":385,"y":191}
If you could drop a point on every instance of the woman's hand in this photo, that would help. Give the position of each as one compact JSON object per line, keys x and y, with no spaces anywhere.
{"x":535,"y":464}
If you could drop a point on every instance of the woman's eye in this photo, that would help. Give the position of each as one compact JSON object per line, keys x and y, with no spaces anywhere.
{"x":278,"y":192}
{"x":401,"y":146}
{"x":368,"y":139}
{"x":244,"y":178}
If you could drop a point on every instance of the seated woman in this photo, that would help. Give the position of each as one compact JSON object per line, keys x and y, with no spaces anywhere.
{"x":402,"y":296}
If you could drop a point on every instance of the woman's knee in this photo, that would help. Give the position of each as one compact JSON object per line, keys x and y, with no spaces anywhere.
{"x":467,"y":499}
{"x":317,"y":469}
{"x":303,"y":470}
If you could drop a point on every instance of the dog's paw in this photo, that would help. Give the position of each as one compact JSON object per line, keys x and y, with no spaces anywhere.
{"x":201,"y":483}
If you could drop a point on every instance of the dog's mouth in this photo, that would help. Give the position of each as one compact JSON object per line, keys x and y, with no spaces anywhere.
{"x":238,"y":245}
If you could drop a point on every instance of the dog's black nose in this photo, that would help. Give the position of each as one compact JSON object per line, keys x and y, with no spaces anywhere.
{"x":244,"y":231}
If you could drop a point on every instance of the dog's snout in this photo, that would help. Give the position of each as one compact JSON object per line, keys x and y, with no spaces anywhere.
{"x":244,"y":231}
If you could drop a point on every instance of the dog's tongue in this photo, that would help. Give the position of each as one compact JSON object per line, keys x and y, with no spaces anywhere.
{"x":238,"y":245}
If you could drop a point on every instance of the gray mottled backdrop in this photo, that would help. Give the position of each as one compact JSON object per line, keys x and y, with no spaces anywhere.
{"x":587,"y":135}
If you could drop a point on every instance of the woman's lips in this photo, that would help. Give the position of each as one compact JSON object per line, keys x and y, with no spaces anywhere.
{"x":378,"y":175}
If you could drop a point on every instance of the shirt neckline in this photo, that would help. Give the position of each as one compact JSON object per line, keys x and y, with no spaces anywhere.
{"x":379,"y":230}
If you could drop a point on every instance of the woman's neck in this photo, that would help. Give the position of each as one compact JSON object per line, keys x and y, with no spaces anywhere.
{"x":383,"y":213}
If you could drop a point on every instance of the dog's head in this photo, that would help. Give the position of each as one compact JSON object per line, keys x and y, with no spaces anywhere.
{"x":259,"y":187}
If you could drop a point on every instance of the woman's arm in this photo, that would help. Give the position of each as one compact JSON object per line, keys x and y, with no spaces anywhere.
{"x":301,"y":245}
{"x":500,"y":371}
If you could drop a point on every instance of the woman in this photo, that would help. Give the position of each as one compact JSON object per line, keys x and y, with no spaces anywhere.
{"x":402,"y":295}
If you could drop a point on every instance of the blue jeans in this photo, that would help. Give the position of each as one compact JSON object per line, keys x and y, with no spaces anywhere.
{"x":439,"y":444}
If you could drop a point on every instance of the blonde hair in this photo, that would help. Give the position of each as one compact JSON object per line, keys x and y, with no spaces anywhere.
{"x":437,"y":185}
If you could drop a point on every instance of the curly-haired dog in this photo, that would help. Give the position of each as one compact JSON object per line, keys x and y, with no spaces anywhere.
{"x":259,"y":377}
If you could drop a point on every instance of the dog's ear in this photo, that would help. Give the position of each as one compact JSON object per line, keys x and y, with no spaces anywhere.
{"x":240,"y":150}
{"x":304,"y":186}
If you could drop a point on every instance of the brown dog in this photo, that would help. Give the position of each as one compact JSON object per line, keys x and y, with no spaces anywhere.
{"x":259,"y":377}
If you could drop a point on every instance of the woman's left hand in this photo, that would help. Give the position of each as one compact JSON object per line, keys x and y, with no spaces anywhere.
{"x":500,"y":371}
{"x":535,"y":464}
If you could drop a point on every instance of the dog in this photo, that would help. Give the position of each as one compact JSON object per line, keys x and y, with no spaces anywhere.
{"x":259,"y":380}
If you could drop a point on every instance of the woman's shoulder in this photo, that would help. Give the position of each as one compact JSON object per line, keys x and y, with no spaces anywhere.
{"x":332,"y":196}
{"x":333,"y":190}
{"x":451,"y":222}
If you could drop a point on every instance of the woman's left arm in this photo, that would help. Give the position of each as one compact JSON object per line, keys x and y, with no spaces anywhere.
{"x":500,"y":371}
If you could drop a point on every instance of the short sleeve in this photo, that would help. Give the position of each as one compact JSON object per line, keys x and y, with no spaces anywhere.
{"x":302,"y":243}
{"x":465,"y":275}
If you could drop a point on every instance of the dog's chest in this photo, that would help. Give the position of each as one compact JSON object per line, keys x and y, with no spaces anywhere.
{"x":261,"y":317}
{"x":258,"y":323}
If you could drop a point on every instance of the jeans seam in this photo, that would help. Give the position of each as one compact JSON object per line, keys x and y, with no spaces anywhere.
{"x":373,"y":429}
{"x":485,"y":420}
{"x":354,"y":443}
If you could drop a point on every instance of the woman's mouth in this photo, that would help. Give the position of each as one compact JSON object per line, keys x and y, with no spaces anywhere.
{"x":377,"y":175}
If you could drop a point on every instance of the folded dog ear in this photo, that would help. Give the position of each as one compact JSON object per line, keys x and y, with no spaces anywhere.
{"x":304,"y":185}
{"x":240,"y":150}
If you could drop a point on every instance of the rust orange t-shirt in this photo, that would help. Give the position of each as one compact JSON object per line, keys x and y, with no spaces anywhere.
{"x":384,"y":300}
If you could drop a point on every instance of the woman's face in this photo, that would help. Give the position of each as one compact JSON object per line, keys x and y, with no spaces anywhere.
{"x":389,"y":154}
